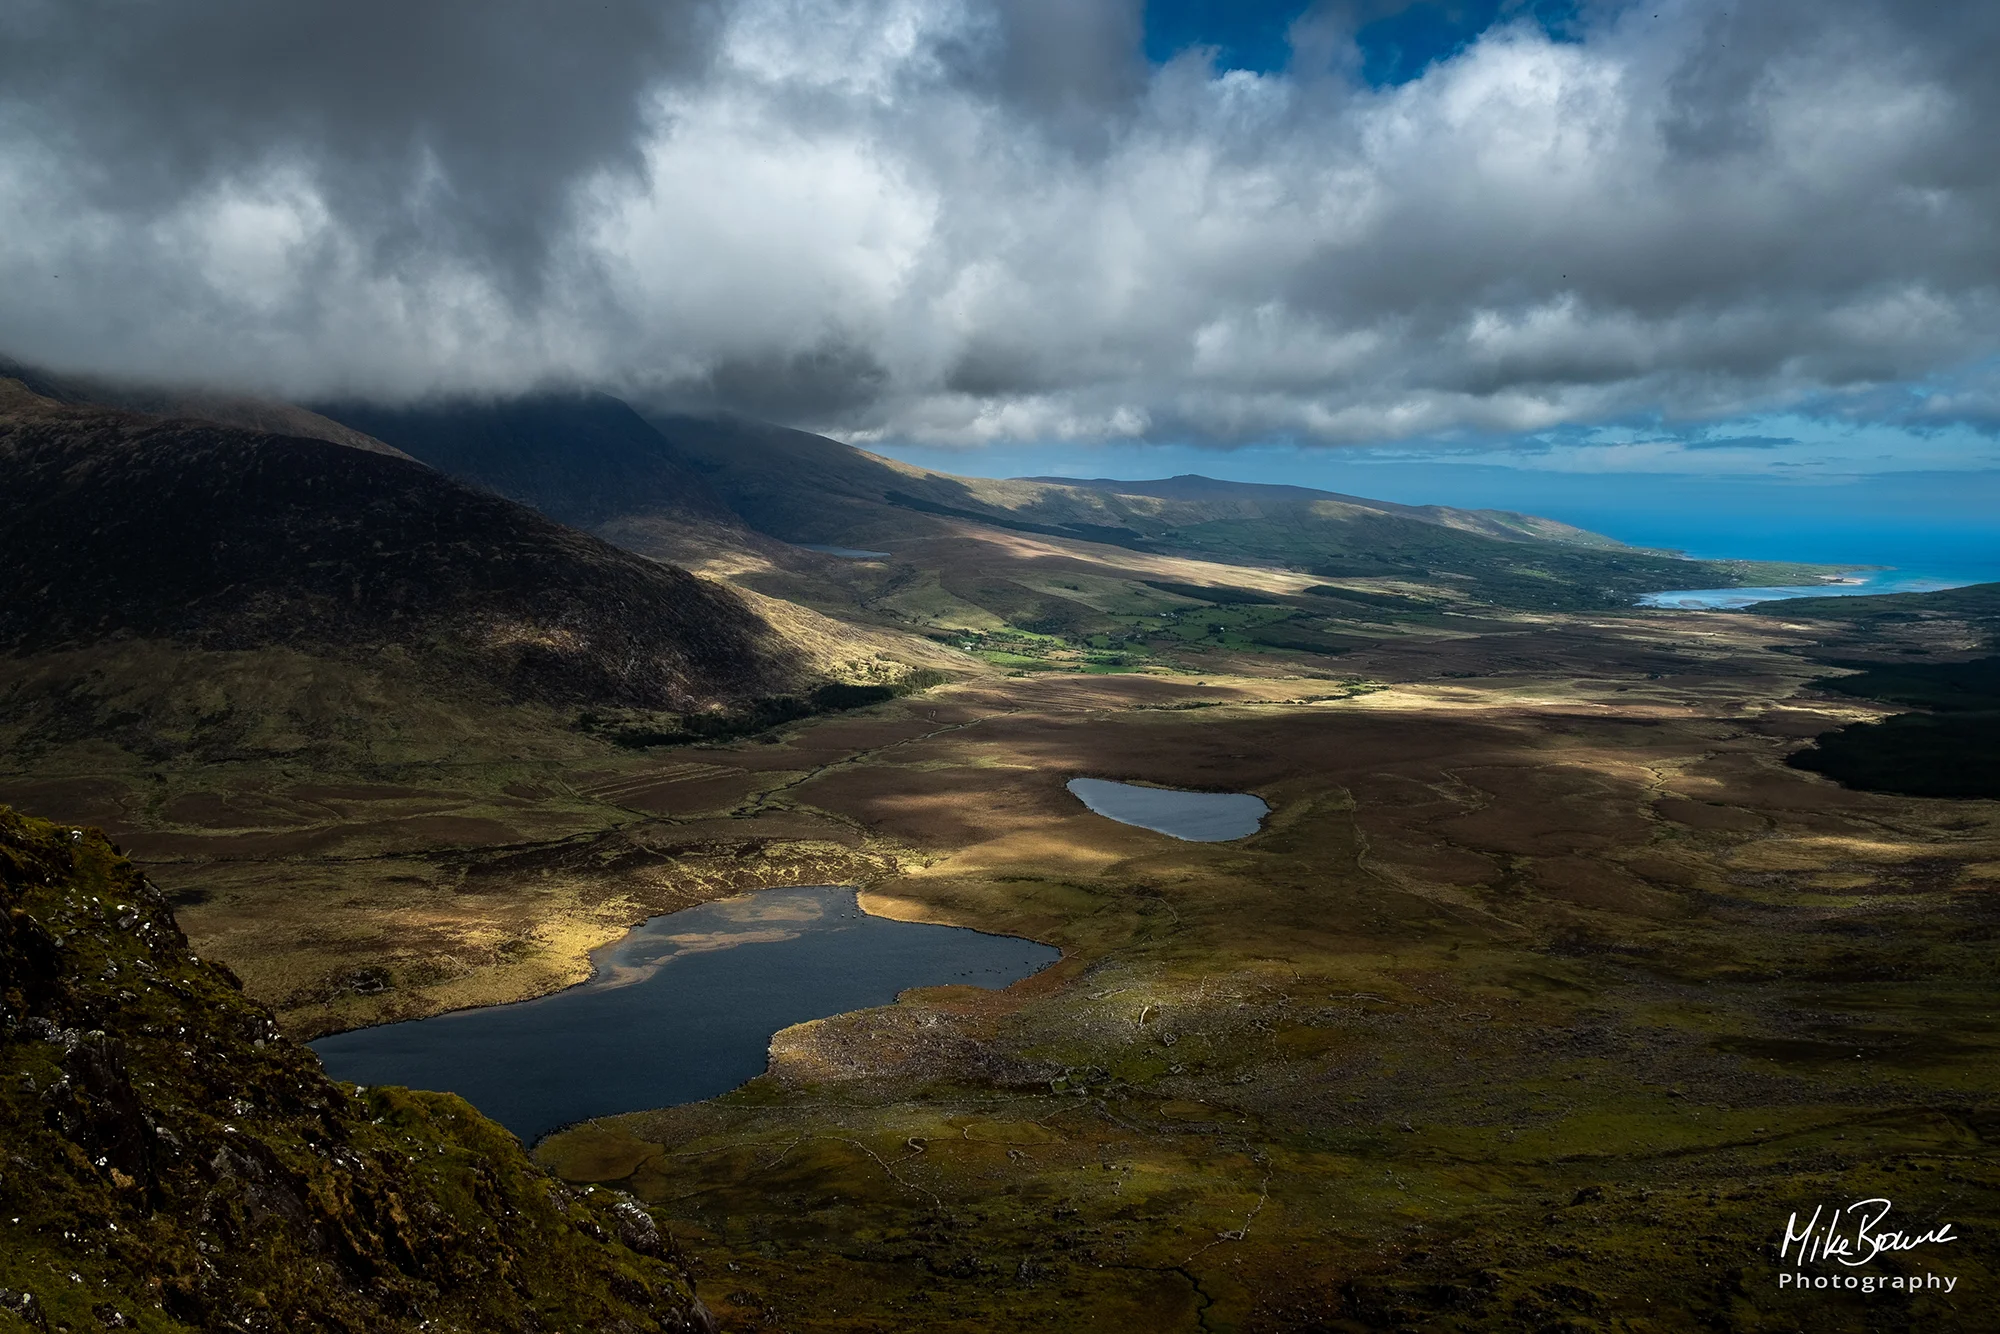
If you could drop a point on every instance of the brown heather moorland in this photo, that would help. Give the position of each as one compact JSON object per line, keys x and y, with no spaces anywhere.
{"x":1545,"y":995}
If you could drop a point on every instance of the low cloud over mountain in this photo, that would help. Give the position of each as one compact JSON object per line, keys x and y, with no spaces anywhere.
{"x":971,"y":220}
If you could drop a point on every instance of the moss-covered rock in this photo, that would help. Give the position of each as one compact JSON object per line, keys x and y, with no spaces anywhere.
{"x":169,"y":1161}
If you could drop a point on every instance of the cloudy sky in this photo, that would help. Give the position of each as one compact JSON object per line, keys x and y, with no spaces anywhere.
{"x":1677,"y":235}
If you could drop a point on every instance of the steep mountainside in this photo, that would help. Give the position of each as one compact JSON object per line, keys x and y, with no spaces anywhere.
{"x":117,"y":526}
{"x":579,"y":458}
{"x":153,"y":400}
{"x":173,"y":1163}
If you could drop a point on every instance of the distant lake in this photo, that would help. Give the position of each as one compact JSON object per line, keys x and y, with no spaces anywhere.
{"x":1859,"y":583}
{"x":851,"y":553}
{"x":1199,"y":817}
{"x":682,"y":1008}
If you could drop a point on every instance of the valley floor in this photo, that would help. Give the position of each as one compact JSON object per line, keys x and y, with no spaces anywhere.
{"x":1545,"y":997}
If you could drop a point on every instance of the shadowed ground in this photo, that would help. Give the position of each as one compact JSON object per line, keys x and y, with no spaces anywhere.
{"x":1547,"y":992}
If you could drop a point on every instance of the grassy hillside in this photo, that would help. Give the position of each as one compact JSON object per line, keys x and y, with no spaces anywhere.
{"x":805,"y":488}
{"x":591,"y":460}
{"x":1953,"y":620}
{"x":116,"y":526}
{"x":174,"y":1164}
{"x":1258,"y":497}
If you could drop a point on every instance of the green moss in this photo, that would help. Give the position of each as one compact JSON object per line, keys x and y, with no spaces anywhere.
{"x":174,"y":1163}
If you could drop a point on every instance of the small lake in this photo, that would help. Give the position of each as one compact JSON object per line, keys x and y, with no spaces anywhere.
{"x":1199,"y":817}
{"x":682,"y":1008}
{"x":1857,"y":584}
{"x":849,"y":553}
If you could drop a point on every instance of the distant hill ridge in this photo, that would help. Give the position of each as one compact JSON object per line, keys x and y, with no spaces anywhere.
{"x":716,"y":491}
{"x":628,"y":473}
{"x":1505,"y":524}
{"x":588,"y":458}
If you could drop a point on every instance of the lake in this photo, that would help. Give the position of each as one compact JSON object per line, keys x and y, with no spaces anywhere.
{"x":681,"y":1008}
{"x":849,"y":553}
{"x":1198,"y":817}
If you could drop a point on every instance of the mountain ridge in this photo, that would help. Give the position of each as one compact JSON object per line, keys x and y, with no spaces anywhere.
{"x":1505,"y":524}
{"x":805,"y":488}
{"x":169,"y":402}
{"x":124,"y":525}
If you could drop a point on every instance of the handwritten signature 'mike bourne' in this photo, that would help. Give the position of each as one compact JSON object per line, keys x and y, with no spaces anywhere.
{"x":1859,"y":1241}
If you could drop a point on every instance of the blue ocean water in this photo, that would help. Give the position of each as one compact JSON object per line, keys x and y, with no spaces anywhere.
{"x":1932,"y":528}
{"x":1855,"y":583}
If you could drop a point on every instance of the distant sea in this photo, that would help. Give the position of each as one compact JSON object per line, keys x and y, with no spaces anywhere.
{"x":1856,"y":583}
{"x":1901,"y":532}
{"x":1882,"y":553}
{"x":1908,"y":531}
{"x":1869,"y":532}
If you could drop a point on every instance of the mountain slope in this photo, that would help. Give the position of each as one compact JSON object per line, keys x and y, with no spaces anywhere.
{"x":805,"y":488}
{"x":118,"y":526}
{"x":674,"y":484}
{"x":173,"y":1163}
{"x":581,"y":459}
{"x":166,"y":401}
{"x":1264,"y":496}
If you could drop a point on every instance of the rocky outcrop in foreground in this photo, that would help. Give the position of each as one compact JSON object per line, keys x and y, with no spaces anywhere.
{"x":169,"y":1161}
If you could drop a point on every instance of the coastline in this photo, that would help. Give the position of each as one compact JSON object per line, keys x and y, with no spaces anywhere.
{"x":1852,"y":581}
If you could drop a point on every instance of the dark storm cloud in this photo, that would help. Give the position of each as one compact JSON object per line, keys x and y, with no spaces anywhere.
{"x":1070,"y":57}
{"x":1070,"y":69}
{"x":971,"y":220}
{"x":827,"y":380}
{"x":460,"y":124}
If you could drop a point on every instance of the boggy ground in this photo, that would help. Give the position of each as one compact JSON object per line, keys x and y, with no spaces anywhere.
{"x":1544,"y":998}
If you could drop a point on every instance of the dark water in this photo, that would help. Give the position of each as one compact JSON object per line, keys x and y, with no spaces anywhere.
{"x":682,"y":1008}
{"x":1199,"y":817}
{"x":850,"y":553}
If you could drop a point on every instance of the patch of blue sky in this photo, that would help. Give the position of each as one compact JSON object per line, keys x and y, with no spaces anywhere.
{"x":1396,"y":40}
{"x":1245,"y":34}
{"x":1401,"y":44}
{"x":1776,"y":445}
